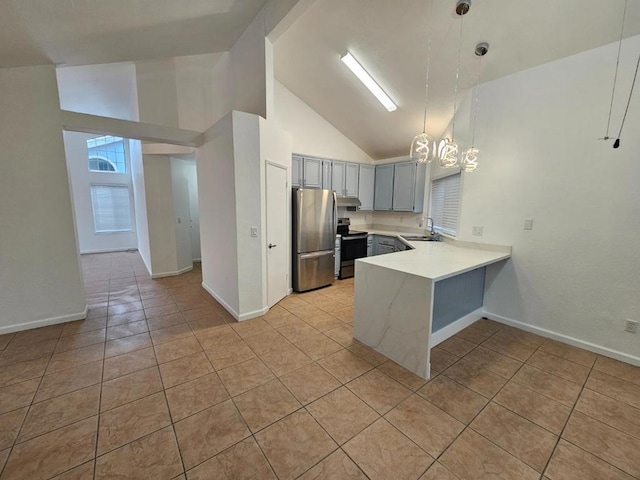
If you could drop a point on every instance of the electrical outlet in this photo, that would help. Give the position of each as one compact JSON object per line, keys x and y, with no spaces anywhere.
{"x":631,"y":326}
{"x":528,"y":223}
{"x":254,"y":231}
{"x":477,"y":231}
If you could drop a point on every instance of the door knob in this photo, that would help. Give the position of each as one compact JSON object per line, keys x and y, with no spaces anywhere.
{"x":271,"y":245}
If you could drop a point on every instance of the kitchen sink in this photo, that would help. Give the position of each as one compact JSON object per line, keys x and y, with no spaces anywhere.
{"x":422,"y":238}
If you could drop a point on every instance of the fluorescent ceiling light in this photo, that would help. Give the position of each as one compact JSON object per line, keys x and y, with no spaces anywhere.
{"x":369,"y":82}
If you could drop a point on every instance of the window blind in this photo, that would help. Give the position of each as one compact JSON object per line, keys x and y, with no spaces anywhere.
{"x":111,"y":208}
{"x":445,"y":200}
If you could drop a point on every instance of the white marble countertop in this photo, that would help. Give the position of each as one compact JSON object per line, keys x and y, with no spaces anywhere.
{"x":438,"y":260}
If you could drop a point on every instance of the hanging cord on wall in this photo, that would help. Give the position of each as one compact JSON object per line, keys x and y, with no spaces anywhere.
{"x":616,"y":144}
{"x":615,"y":76}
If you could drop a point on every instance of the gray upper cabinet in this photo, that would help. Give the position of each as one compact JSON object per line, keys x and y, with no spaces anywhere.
{"x":366,"y":187}
{"x":408,"y":187}
{"x":351,"y":180}
{"x":338,"y":178}
{"x":383,"y":196}
{"x":326,"y":174}
{"x":296,"y":171}
{"x":312,"y":173}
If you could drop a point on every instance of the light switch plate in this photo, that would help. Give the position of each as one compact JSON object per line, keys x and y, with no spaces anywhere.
{"x":528,"y":223}
{"x":477,"y":231}
{"x":254,"y":231}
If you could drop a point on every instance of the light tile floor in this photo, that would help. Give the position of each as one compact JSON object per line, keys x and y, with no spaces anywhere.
{"x":160,"y":382}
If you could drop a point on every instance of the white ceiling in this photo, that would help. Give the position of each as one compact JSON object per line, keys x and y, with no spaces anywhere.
{"x":389,"y":38}
{"x":80,"y":32}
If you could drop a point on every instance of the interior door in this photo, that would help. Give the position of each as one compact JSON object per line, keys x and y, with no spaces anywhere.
{"x":277,"y":233}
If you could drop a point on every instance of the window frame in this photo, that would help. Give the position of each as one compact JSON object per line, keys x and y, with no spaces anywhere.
{"x":440,"y":228}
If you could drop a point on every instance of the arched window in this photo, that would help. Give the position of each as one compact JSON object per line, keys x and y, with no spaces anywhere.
{"x":99,"y":164}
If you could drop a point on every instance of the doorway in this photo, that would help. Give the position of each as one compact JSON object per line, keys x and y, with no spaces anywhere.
{"x":277,"y":232}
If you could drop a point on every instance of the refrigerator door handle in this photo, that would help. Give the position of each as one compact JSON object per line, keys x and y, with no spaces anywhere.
{"x":322,"y":253}
{"x":335,"y":213}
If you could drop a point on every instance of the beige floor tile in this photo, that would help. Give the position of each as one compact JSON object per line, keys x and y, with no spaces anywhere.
{"x":243,"y":460}
{"x":379,"y":391}
{"x":168,"y":334}
{"x":205,"y":324}
{"x":250,"y":327}
{"x":267,"y":342}
{"x":438,"y":472}
{"x":441,"y":360}
{"x":278,"y":316}
{"x":457,"y":346}
{"x":402,"y":375}
{"x":558,"y":366}
{"x":382,"y":452}
{"x":309,"y":383}
{"x":53,"y":453}
{"x":72,"y":358}
{"x":81,"y":472}
{"x":284,"y":360}
{"x":157,"y":301}
{"x":209,"y":432}
{"x":624,"y":371}
{"x":473,"y":456}
{"x":615,"y":388}
{"x":129,"y":363}
{"x":615,"y":414}
{"x":494,"y":362}
{"x":245,"y":376}
{"x":568,"y":352}
{"x":367,"y":354}
{"x":24,"y":371}
{"x":130,"y":344}
{"x":266,"y":404}
{"x":342,"y":414}
{"x":23,"y":353}
{"x":526,"y":338}
{"x":65,"y":381}
{"x":569,"y":462}
{"x":547,"y":384}
{"x":165,"y":321}
{"x":429,"y":427}
{"x":130,"y":387}
{"x":294,"y":444}
{"x":318,"y":346}
{"x":474,"y":334}
{"x":216,"y":336}
{"x":343,"y":335}
{"x":10,"y":424}
{"x":525,"y":440}
{"x":476,"y":378}
{"x":161,"y":310}
{"x":324,"y":321}
{"x":155,"y":456}
{"x":84,"y":326}
{"x":124,"y":308}
{"x":533,"y":406}
{"x":130,"y":317}
{"x":607,"y":443}
{"x":177,"y":349}
{"x":127,"y":330}
{"x":223,"y":356}
{"x":335,"y":466}
{"x":195,"y":396}
{"x":296,"y":332}
{"x":185,"y":369}
{"x":132,"y":421}
{"x":344,"y":365}
{"x":509,"y":346}
{"x":36,"y":335}
{"x":79,"y":340}
{"x":60,"y":411}
{"x":455,"y":399}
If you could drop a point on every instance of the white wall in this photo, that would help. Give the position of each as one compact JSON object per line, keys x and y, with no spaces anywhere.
{"x":40,"y":277}
{"x":139,"y":200}
{"x":576,"y":272}
{"x":157,"y":93}
{"x":81,"y":180}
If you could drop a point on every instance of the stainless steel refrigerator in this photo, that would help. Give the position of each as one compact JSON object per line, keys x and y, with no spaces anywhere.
{"x":315,"y":219}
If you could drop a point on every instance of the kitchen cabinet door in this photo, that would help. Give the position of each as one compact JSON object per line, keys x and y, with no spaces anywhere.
{"x":366,"y":187}
{"x":326,"y":174}
{"x":312,"y":173}
{"x":382,"y":249}
{"x":338,"y":178}
{"x":383,"y":194}
{"x":351,"y":180}
{"x":404,"y":182}
{"x":296,"y":171}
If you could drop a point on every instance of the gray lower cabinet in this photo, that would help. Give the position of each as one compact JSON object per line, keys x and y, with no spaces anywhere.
{"x":370,"y":251}
{"x":382,"y":245}
{"x":366,"y":187}
{"x":296,"y":171}
{"x":383,"y":194}
{"x":312,"y":173}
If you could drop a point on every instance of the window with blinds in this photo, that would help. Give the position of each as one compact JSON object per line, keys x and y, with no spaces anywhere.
{"x":111,"y":208}
{"x":445,"y":200}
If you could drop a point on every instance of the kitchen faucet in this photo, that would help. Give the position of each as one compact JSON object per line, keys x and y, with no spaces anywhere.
{"x":431,"y":230}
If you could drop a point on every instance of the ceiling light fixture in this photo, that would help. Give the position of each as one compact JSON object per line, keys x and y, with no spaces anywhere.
{"x":350,"y":61}
{"x":423,"y":144}
{"x":470,"y":155}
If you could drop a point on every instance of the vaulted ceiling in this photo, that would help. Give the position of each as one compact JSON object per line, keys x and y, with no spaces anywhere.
{"x":389,"y":38}
{"x":77,"y":32}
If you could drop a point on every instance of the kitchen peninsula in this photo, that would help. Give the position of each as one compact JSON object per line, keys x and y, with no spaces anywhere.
{"x":407,"y":302}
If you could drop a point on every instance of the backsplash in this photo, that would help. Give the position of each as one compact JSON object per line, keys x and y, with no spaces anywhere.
{"x":401,"y":222}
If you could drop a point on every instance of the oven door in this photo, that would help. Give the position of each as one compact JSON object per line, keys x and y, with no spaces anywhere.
{"x":352,"y":247}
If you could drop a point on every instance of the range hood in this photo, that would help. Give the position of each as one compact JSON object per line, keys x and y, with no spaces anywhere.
{"x":348,"y":202}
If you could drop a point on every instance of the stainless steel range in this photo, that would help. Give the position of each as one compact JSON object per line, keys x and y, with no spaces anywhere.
{"x":352,"y":246}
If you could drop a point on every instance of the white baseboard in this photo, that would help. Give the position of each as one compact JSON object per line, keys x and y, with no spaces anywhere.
{"x":107,"y":250}
{"x":453,"y":328}
{"x":172,"y":274}
{"x":18,"y":327}
{"x":592,"y":347}
{"x":227,"y":307}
